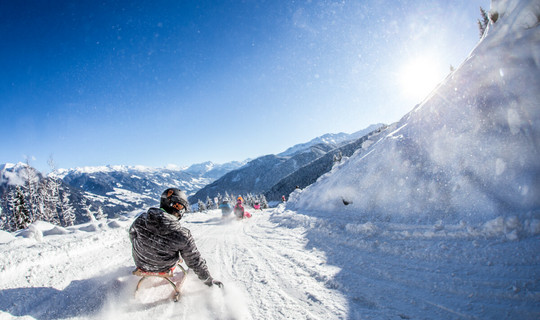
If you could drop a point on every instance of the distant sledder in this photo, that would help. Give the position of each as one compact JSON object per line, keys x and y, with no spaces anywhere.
{"x":257,"y":206}
{"x":226,"y":208}
{"x":239,"y":210}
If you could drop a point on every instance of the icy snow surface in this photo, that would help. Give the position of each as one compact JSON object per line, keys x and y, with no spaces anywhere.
{"x":279,"y":264}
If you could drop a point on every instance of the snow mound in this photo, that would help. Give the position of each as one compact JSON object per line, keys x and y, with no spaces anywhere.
{"x":90,"y":228}
{"x":32,"y":232}
{"x":467,"y":153}
{"x":115,"y":224}
{"x":6,"y":237}
{"x":56,"y":231}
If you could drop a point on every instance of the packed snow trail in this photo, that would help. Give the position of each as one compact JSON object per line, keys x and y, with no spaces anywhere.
{"x":86,"y":274}
{"x":280,"y":264}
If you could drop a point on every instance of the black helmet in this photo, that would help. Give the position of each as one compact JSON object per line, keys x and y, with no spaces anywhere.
{"x":171,"y":197}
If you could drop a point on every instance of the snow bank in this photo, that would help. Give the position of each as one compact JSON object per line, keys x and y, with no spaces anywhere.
{"x":6,"y":237}
{"x":469,"y":152}
{"x":32,"y":232}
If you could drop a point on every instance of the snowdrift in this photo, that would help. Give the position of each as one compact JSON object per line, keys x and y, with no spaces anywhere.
{"x":468,"y":152}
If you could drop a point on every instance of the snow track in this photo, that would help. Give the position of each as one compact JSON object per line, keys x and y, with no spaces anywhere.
{"x":279,"y":264}
{"x":268,"y":268}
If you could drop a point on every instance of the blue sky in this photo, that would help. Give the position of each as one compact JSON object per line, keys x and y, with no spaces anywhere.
{"x":93,"y":83}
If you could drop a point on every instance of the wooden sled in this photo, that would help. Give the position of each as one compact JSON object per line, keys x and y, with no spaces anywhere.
{"x":168,"y":276}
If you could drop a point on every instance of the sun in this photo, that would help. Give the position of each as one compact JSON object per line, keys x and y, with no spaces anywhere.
{"x":419,"y":77}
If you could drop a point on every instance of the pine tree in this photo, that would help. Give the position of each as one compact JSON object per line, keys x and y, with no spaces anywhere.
{"x":49,"y":193}
{"x":68,"y":212}
{"x":34,"y":202}
{"x":3,"y":218}
{"x":9,"y":201}
{"x":264,"y":203}
{"x":201,"y":206}
{"x":87,"y":212}
{"x":219,"y":199}
{"x":100,"y":215}
{"x":21,"y":214}
{"x":208,"y":203}
{"x":483,"y":24}
{"x":5,"y":214}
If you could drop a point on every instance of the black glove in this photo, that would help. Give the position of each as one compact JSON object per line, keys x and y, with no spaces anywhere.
{"x":210,"y":282}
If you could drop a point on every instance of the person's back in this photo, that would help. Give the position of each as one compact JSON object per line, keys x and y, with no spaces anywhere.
{"x":159,"y":241}
{"x":225,"y":207}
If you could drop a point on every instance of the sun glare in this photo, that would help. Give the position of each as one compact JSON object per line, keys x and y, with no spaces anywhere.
{"x":418,"y":77}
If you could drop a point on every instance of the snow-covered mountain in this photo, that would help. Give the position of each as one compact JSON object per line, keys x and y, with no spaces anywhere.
{"x":14,"y":174}
{"x":261,"y":174}
{"x":309,"y":173}
{"x":127,"y":188}
{"x":212,"y":171}
{"x":330,"y":138}
{"x":469,"y":152}
{"x":111,"y":190}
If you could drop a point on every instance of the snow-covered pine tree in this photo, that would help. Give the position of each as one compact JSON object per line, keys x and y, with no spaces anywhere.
{"x":338,"y":157}
{"x":201,"y":206}
{"x":99,"y":214}
{"x":3,"y":218}
{"x":264,"y":203}
{"x":50,"y":187}
{"x":209,"y":203}
{"x":8,"y":201}
{"x":67,"y":210}
{"x":49,"y":193}
{"x":21,"y":213}
{"x":86,"y":209}
{"x":31,"y":193}
{"x":483,"y":24}
{"x":219,"y":199}
{"x":5,"y":213}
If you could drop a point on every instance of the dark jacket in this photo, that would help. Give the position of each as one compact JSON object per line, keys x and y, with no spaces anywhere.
{"x":158,"y":241}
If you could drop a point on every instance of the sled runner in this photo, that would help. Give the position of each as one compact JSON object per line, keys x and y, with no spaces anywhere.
{"x":175,"y":280}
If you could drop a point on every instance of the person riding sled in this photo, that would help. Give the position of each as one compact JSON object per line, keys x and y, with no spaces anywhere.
{"x":239,"y":210}
{"x":226,"y":208}
{"x":159,"y":241}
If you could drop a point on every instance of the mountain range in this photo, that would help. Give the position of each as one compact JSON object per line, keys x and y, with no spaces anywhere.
{"x":260,"y":175}
{"x":122,"y":189}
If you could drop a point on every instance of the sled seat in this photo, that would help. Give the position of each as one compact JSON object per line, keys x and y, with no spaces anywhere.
{"x":167,"y":275}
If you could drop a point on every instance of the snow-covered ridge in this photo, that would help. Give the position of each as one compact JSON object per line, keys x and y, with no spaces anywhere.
{"x":7,"y":166}
{"x":524,"y":14}
{"x":330,"y":138}
{"x":14,"y":174}
{"x":110,"y":168}
{"x":468,"y":153}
